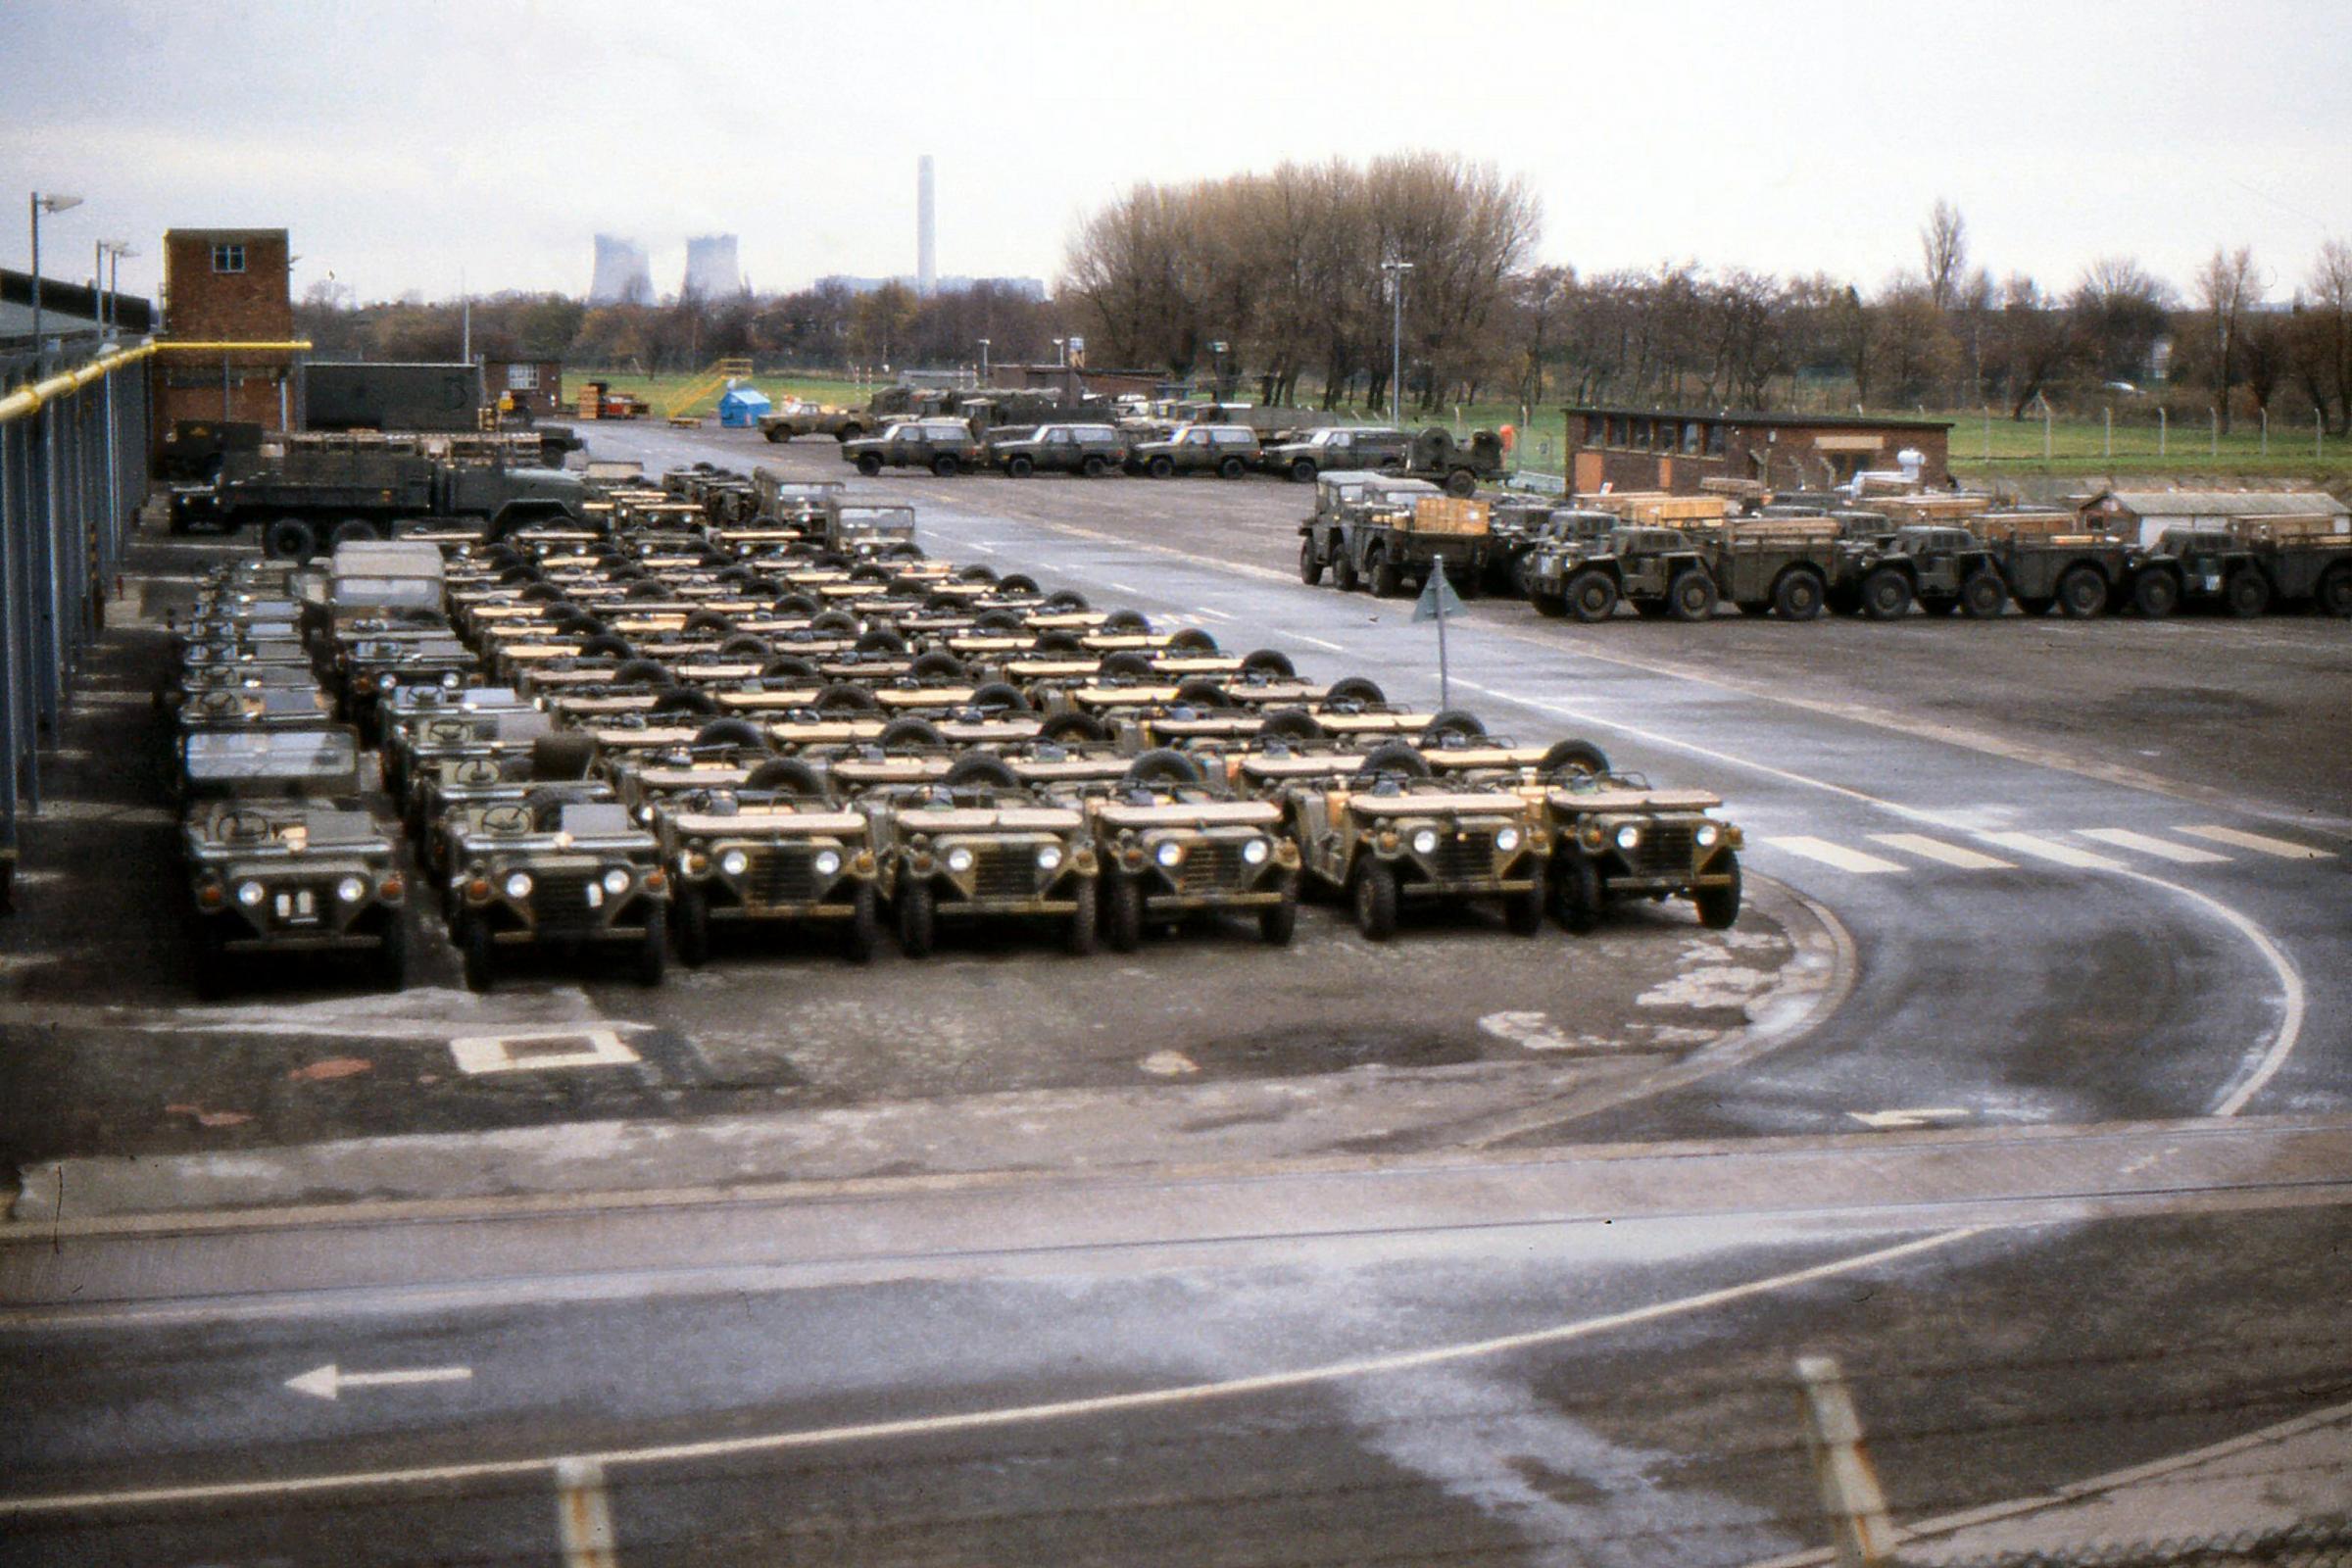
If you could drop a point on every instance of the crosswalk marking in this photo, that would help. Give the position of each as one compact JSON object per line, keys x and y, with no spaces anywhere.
{"x":2256,"y":841}
{"x":2123,"y":838}
{"x":1926,"y":847}
{"x":2052,"y":849}
{"x":1837,"y":854}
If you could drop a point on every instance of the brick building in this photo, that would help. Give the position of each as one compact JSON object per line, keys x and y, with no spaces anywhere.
{"x":1662,"y":449}
{"x":227,"y":285}
{"x":534,"y":384}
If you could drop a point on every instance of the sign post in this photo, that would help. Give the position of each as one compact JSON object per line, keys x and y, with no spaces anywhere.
{"x":1436,"y":602}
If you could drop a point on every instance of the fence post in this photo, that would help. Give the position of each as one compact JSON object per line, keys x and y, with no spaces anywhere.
{"x":1849,"y":1487}
{"x":1988,"y":435}
{"x":2319,"y":436}
{"x":2107,"y":414}
{"x":2162,"y":425}
{"x":2215,"y":444}
{"x":2266,"y":431}
{"x":584,"y":1515}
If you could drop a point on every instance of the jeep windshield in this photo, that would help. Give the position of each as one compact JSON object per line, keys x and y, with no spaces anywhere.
{"x":897,"y":521}
{"x":232,"y":758}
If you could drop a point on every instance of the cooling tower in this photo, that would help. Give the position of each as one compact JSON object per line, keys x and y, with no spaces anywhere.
{"x":926,"y":259}
{"x":622,"y":272}
{"x":711,"y":269}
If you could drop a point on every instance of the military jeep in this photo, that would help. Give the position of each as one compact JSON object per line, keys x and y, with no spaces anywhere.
{"x":1227,"y":451}
{"x":280,"y":857}
{"x":774,"y":850}
{"x":944,"y":445}
{"x":1091,"y":449}
{"x":981,"y":844}
{"x":1617,"y":838}
{"x":1388,"y":832}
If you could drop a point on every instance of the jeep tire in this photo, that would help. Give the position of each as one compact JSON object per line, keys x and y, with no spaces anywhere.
{"x":917,"y":911}
{"x":1310,"y":566}
{"x":1277,"y":922}
{"x":1375,"y":899}
{"x":1592,"y":596}
{"x":1123,"y":912}
{"x":1523,"y":912}
{"x":479,"y":952}
{"x":652,"y":946}
{"x":946,"y":465}
{"x":1719,"y":907}
{"x":1161,"y":466}
{"x":863,"y":931}
{"x":1578,"y":900}
{"x":693,"y":924}
{"x":1085,"y":924}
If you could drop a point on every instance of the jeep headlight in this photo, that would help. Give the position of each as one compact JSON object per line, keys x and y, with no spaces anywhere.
{"x":1506,"y":840}
{"x":734,"y":862}
{"x":1629,"y":837}
{"x":617,"y":882}
{"x":1255,"y":853}
{"x":1425,"y":841}
{"x":645,"y":814}
{"x":1169,"y":854}
{"x":960,"y":860}
{"x":450,"y":680}
{"x":827,"y":862}
{"x":386,"y":681}
{"x":1049,"y":858}
{"x":350,"y":890}
{"x":519,"y":885}
{"x":250,"y":893}
{"x":1707,"y":834}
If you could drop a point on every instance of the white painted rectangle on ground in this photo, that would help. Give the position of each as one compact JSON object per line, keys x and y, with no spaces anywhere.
{"x":1837,"y":854}
{"x":2123,"y":838}
{"x":540,"y":1051}
{"x":1929,"y":848}
{"x":2281,"y":847}
{"x":2051,"y":850}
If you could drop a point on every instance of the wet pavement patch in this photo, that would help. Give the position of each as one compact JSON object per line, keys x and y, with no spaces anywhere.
{"x":1304,"y":1050}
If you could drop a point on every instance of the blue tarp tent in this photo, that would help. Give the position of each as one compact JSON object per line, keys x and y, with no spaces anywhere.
{"x":741,"y":405}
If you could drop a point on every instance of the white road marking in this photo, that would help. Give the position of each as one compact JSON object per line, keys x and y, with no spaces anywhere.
{"x":1209,"y":610}
{"x":1126,"y":588}
{"x":1837,"y":854}
{"x":1929,"y":848}
{"x":1004,"y":1416}
{"x":330,"y":1381}
{"x":1926,"y":1116}
{"x":2051,"y":850}
{"x":2123,"y":838}
{"x":2281,"y":847}
{"x":1333,"y":647}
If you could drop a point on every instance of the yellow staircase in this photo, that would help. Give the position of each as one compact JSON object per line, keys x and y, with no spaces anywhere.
{"x":687,"y":407}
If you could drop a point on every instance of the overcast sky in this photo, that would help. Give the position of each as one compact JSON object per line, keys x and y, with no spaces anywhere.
{"x":409,"y":144}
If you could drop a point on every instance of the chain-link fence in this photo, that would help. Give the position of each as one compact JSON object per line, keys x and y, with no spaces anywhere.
{"x":2312,"y":1543}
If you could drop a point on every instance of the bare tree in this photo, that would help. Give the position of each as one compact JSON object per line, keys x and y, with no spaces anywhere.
{"x":2332,"y":316}
{"x":2121,"y":310}
{"x":2227,"y":287}
{"x":1943,"y":247}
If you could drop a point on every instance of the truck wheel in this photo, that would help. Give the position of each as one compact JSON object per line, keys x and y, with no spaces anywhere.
{"x":1231,"y":468}
{"x":849,"y":432}
{"x":1162,"y":468}
{"x":1983,"y":595}
{"x":480,"y":954}
{"x":1375,"y":900}
{"x":775,"y":436}
{"x":289,"y":539}
{"x":869,"y":463}
{"x":1094,"y":467}
{"x":1277,"y":922}
{"x":2335,"y":596}
{"x":1797,"y":596}
{"x":1018,"y":467}
{"x":1523,"y":912}
{"x":2082,"y":593}
{"x":1387,"y":580}
{"x":945,"y":465}
{"x":1086,"y":921}
{"x":2156,"y":594}
{"x":653,"y":947}
{"x":392,"y":954}
{"x":1311,"y":568}
{"x":1692,"y":596}
{"x":354,"y":530}
{"x":694,"y":925}
{"x":1719,"y":907}
{"x":1461,"y":482}
{"x":1342,"y":571}
{"x":864,"y":932}
{"x":1591,"y":597}
{"x":1578,"y":901}
{"x":918,"y":918}
{"x":1552,"y":605}
{"x":1302,"y":472}
{"x":1886,"y":595}
{"x":2248,"y":593}
{"x":1125,"y":916}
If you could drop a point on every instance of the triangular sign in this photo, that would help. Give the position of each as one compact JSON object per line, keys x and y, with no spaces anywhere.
{"x":1437,"y":596}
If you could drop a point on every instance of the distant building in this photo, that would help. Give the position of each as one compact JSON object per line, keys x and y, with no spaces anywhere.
{"x":711,"y":271}
{"x":623,"y":275}
{"x":535,"y":386}
{"x":1078,"y":380}
{"x":69,"y":311}
{"x":227,"y":285}
{"x":1670,"y":450}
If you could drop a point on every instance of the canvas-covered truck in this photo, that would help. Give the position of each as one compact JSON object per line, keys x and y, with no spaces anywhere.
{"x":1780,"y":566}
{"x":305,"y":498}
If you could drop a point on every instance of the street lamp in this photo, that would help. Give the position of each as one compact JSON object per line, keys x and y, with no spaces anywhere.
{"x":115,"y":249}
{"x":984,"y":362}
{"x":42,"y":204}
{"x":1397,"y":270}
{"x":1060,"y":357}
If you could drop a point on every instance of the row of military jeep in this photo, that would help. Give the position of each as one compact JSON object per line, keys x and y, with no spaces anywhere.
{"x":673,"y":725}
{"x":1684,"y":558}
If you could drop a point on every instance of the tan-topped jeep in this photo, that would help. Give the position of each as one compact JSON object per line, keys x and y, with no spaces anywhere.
{"x":979,"y":844}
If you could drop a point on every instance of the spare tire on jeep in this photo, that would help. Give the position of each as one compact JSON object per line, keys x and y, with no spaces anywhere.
{"x":981,"y":767}
{"x":1395,"y":757}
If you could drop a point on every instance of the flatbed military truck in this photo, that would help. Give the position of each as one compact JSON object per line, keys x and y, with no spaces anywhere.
{"x":1938,"y":566}
{"x":307,"y":497}
{"x":2249,"y":568}
{"x":1345,"y":500}
{"x":1398,"y":546}
{"x":1659,"y":572}
{"x":1780,"y":566}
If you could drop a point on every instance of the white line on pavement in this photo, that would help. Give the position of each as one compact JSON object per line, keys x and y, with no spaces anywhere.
{"x":1929,"y":848}
{"x":1837,"y":854}
{"x":2051,"y":850}
{"x":2123,"y":838}
{"x":2281,"y":847}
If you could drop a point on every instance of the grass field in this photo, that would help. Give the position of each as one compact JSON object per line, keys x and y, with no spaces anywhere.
{"x":2008,"y":450}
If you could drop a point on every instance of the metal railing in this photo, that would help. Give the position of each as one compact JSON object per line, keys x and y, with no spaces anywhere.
{"x":72,"y":473}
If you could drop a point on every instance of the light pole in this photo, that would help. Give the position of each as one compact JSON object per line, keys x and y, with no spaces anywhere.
{"x":1396,"y":271}
{"x":42,"y":204}
{"x":984,"y":362}
{"x":115,"y":249}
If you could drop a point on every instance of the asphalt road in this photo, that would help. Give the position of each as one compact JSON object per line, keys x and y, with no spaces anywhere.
{"x":2059,"y":1181}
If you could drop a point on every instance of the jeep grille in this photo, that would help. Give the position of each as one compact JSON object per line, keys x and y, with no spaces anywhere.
{"x":1470,"y":860}
{"x":1008,"y":872}
{"x":560,"y":904}
{"x":1665,"y":849}
{"x":779,"y":875}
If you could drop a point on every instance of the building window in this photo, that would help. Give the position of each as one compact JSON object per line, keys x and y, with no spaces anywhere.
{"x":523,"y":377}
{"x":228,"y":257}
{"x":1691,"y":439}
{"x":1715,"y":440}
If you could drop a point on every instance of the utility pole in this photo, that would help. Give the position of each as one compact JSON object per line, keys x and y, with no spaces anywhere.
{"x":1397,"y":269}
{"x":38,"y":205}
{"x":1850,"y":1495}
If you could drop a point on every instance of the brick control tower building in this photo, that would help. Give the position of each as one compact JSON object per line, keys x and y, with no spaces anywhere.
{"x":227,"y":285}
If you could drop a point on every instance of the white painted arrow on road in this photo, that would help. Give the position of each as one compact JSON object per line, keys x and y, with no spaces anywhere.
{"x":1926,"y":1117}
{"x":330,"y":1381}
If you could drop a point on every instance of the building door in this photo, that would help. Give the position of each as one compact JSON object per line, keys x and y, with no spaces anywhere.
{"x":1588,"y":478}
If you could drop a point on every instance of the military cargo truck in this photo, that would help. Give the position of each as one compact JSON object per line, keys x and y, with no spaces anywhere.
{"x":304,"y":498}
